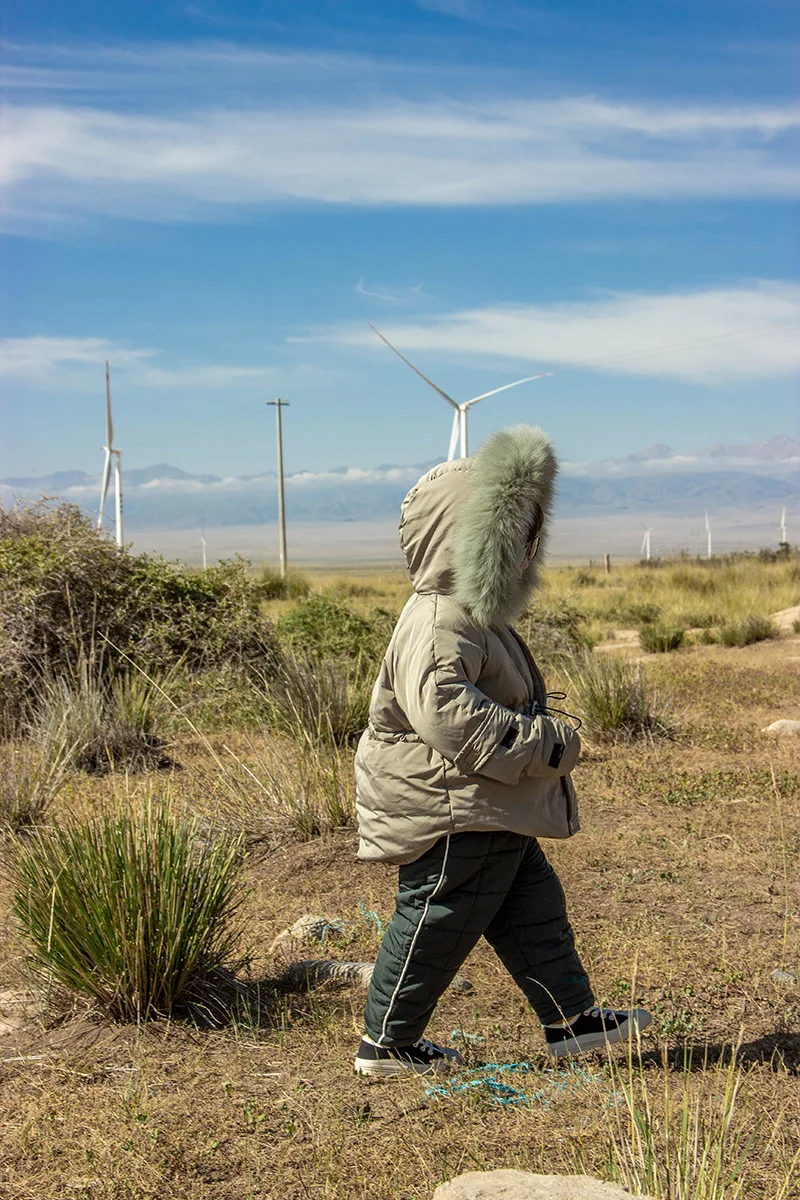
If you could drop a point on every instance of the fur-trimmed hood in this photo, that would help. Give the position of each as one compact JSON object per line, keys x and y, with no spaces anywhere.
{"x":465,"y":526}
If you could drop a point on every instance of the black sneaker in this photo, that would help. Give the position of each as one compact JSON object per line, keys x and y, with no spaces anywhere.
{"x":595,"y":1029}
{"x":420,"y":1059}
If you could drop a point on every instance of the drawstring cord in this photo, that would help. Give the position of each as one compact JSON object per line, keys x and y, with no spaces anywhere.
{"x":534,"y":709}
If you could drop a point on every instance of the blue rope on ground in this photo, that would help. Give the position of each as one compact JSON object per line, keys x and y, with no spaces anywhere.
{"x":370,"y":918}
{"x":484,"y":1080}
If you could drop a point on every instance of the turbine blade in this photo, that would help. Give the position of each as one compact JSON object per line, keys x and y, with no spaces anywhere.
{"x":435,"y":387}
{"x":109,"y":422}
{"x":104,"y":486}
{"x":506,"y":386}
{"x":451,"y":453}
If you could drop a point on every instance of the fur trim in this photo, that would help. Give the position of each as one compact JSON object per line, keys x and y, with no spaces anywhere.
{"x":514,"y":471}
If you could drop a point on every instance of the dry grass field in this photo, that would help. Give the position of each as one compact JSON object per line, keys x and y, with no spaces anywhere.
{"x":683,"y":891}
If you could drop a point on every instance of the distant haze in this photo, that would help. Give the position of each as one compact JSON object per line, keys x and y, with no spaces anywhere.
{"x":349,"y":514}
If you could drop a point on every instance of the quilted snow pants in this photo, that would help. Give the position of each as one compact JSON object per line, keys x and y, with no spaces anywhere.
{"x":496,"y":885}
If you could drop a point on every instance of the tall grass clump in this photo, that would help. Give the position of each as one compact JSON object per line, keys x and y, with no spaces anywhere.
{"x":137,"y":912}
{"x":329,"y":699}
{"x":750,"y":629}
{"x":614,"y":701}
{"x":31,"y":776}
{"x":301,"y":788}
{"x":109,"y":718}
{"x":698,"y":1144}
{"x":660,"y":639}
{"x":294,"y":585}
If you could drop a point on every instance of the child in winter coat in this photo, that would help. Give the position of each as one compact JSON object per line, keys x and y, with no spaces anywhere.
{"x":461,"y":768}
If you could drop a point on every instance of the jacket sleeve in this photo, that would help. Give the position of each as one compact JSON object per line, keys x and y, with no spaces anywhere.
{"x":436,"y":666}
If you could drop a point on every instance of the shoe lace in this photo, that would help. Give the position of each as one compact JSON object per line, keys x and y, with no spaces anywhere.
{"x":426,"y":1046}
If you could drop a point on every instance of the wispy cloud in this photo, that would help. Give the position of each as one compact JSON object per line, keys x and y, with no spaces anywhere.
{"x":713,"y":336}
{"x":391,"y":295}
{"x":125,"y":149}
{"x":75,"y":363}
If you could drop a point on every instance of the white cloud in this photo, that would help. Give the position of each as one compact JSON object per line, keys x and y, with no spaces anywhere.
{"x":77,"y":363}
{"x":713,"y":336}
{"x":166,"y":164}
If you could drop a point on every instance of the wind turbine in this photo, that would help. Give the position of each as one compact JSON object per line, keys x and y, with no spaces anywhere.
{"x":203,"y":541}
{"x":117,"y":456}
{"x":708,"y":536}
{"x":459,"y":435}
{"x":784,"y":538}
{"x":646,"y":544}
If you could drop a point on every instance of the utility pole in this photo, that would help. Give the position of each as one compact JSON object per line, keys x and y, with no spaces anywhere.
{"x":278,"y":405}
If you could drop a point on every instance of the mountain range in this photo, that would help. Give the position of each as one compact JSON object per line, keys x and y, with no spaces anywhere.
{"x":761,"y":476}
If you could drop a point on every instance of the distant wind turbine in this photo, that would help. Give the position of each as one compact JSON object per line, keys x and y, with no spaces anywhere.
{"x":203,"y":541}
{"x":459,"y":435}
{"x":117,"y":456}
{"x":708,"y":536}
{"x":784,"y":538}
{"x":645,"y":550}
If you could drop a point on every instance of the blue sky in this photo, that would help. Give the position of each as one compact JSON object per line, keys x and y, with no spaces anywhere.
{"x":218,"y":197}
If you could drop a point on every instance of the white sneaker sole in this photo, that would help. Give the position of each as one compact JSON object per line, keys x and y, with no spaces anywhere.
{"x":640,"y":1018}
{"x":390,"y":1068}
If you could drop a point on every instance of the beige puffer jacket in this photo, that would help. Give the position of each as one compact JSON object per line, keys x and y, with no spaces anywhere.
{"x":451,"y":745}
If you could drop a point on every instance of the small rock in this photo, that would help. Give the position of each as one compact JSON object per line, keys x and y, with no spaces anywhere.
{"x":521,"y":1185}
{"x":786,"y":618}
{"x":780,"y":976}
{"x":310,"y":928}
{"x":783,"y":727}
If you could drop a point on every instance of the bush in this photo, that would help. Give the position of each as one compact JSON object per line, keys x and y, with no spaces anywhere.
{"x":613,"y":700}
{"x":554,"y":633}
{"x":634,"y":613}
{"x":292,"y":586}
{"x":660,"y":639}
{"x":135,"y":911}
{"x":65,"y":589}
{"x":584,"y":579}
{"x":320,"y":629}
{"x":745,"y":632}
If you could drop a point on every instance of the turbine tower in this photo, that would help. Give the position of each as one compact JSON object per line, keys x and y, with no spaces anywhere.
{"x":117,"y":456}
{"x":645,"y":550}
{"x":459,"y":436}
{"x":784,"y":538}
{"x":708,"y":536}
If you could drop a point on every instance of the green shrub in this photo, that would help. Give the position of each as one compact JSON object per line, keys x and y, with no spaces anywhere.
{"x":745,"y":632}
{"x":613,"y":700}
{"x":554,"y":633}
{"x":632,"y":612}
{"x":320,"y":629}
{"x":349,"y":589}
{"x":292,"y":586}
{"x":584,"y":579}
{"x":65,"y":589}
{"x":660,"y":639}
{"x":136,"y":911}
{"x":693,"y":619}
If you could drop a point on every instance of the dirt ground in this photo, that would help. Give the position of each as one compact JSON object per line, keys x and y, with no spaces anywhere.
{"x":683,"y":891}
